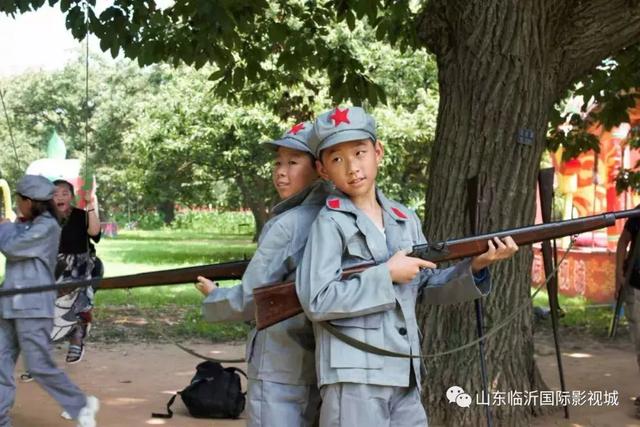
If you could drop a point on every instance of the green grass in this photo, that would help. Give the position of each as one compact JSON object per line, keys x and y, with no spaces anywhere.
{"x":581,"y":313}
{"x":146,"y":313}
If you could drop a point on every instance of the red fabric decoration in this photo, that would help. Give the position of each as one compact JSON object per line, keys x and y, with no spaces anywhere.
{"x":571,"y":167}
{"x":334,"y":203}
{"x":399,"y":213}
{"x":297,"y":128}
{"x":340,"y":116}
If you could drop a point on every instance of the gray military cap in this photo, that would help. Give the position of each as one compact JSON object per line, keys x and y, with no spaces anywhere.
{"x":296,"y":138}
{"x":35,"y":187}
{"x":341,"y":125}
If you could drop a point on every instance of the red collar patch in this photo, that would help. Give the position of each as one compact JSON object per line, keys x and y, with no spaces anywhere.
{"x":333,"y":203}
{"x":297,"y":128}
{"x":399,"y":213}
{"x":340,"y":116}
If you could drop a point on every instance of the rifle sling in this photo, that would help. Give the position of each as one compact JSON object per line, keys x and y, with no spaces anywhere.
{"x":363,"y":346}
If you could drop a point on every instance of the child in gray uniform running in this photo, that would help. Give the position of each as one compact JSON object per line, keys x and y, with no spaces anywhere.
{"x":30,"y":247}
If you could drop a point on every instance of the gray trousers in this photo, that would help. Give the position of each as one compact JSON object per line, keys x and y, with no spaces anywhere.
{"x":363,"y":405}
{"x":631,"y":300}
{"x":272,"y":404}
{"x":31,"y":336}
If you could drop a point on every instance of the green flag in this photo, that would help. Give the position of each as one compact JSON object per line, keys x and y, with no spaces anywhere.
{"x":56,"y":148}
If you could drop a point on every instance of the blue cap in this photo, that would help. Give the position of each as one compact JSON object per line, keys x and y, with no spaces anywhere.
{"x":296,"y":138}
{"x":341,"y":125}
{"x":35,"y":187}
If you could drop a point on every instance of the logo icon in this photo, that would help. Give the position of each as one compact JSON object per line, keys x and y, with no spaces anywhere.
{"x":457,"y":394}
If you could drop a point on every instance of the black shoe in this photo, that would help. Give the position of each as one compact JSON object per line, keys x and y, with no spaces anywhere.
{"x":26,"y":377}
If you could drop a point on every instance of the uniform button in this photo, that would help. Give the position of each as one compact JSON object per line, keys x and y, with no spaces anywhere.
{"x":402,"y":331}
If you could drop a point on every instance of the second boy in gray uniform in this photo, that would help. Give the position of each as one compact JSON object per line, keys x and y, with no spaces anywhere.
{"x":281,"y":369}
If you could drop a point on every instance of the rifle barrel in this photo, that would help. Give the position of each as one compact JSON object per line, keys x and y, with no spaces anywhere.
{"x":471,"y":246}
{"x":223,"y":271}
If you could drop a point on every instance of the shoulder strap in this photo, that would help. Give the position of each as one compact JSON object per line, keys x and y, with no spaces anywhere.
{"x":234,"y":369}
{"x":169,"y":413}
{"x":363,"y":346}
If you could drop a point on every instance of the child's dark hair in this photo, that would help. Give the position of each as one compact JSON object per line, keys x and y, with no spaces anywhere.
{"x":38,"y":207}
{"x":67,"y":184}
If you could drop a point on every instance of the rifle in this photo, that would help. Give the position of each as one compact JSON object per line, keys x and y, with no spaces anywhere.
{"x":279,"y":301}
{"x":223,"y":271}
{"x":613,"y":327}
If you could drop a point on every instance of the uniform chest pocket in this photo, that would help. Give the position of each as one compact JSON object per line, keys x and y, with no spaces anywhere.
{"x":357,"y":247}
{"x":367,"y":329}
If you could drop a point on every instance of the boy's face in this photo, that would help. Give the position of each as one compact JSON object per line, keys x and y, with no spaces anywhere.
{"x":293,"y":170}
{"x":62,"y":198}
{"x":24,"y":206}
{"x":352,"y":166}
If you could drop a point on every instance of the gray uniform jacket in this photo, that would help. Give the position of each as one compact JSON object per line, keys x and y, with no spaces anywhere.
{"x":284,"y":352}
{"x":30,"y":249}
{"x":368,"y":306}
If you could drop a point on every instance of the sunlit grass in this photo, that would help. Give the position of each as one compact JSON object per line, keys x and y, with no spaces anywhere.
{"x":581,"y":313}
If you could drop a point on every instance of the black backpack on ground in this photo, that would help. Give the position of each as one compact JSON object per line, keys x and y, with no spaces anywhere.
{"x":214,"y":392}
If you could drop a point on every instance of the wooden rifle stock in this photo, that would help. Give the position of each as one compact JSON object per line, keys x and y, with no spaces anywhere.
{"x":277,"y":302}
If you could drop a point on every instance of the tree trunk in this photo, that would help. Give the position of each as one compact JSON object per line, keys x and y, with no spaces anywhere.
{"x":502,"y":64}
{"x":254,"y":193}
{"x":167,"y":209}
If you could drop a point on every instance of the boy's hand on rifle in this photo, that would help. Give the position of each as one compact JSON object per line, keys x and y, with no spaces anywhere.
{"x":205,"y":286}
{"x":499,"y":249}
{"x":404,"y":268}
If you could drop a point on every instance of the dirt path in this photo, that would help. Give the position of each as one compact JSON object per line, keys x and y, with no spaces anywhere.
{"x":131,"y":381}
{"x":134,"y":380}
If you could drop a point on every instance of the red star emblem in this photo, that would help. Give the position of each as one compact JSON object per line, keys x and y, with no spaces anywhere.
{"x":340,"y":116}
{"x":399,"y":213}
{"x":297,"y":128}
{"x":334,"y":203}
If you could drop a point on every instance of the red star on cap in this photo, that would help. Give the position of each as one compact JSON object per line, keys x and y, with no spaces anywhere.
{"x":340,"y":116}
{"x":297,"y":128}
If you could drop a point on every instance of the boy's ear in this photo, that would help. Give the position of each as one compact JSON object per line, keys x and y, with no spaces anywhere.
{"x":321,"y":170}
{"x":379,"y":150}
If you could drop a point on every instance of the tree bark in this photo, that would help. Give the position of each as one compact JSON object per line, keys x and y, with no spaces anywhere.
{"x":253,"y":193}
{"x":167,"y":209}
{"x":502,"y":64}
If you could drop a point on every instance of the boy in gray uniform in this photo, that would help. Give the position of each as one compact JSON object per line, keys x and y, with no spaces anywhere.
{"x":282,"y":387}
{"x":30,"y":248}
{"x":376,"y":306}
